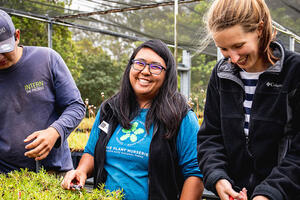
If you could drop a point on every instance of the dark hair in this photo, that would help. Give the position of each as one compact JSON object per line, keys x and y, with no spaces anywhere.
{"x":167,"y":108}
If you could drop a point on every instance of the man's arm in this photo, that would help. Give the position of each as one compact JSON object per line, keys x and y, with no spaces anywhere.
{"x":69,"y":107}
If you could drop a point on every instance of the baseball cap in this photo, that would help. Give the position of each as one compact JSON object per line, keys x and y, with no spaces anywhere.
{"x":7,"y":31}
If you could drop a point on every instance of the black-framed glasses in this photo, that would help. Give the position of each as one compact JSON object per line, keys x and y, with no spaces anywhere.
{"x":154,"y":68}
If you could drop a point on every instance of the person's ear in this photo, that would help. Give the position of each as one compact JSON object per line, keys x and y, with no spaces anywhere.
{"x":260,"y":28}
{"x":17,"y":35}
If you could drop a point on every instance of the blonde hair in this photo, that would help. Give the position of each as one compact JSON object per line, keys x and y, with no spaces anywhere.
{"x":250,"y":14}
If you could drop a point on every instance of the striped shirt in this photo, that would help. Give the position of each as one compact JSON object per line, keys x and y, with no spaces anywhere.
{"x":250,"y":80}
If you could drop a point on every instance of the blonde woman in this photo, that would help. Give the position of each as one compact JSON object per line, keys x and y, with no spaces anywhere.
{"x":249,"y":142}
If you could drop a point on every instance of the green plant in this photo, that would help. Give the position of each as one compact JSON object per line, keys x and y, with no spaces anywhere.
{"x":79,"y":137}
{"x":86,"y":124}
{"x":78,"y":140}
{"x":24,"y":184}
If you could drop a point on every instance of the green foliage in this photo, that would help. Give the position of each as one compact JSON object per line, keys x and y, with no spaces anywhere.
{"x":100,"y":72}
{"x":66,"y":47}
{"x":27,"y":185}
{"x":78,"y":140}
{"x":286,"y":20}
{"x":79,"y":137}
{"x":35,"y":33}
{"x":201,"y":71}
{"x":159,"y":22}
{"x":86,"y":124}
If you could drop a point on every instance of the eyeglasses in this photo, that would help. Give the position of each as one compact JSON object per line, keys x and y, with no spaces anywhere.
{"x":153,"y":68}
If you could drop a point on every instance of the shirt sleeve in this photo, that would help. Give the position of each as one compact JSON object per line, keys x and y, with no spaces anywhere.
{"x":187,"y":146}
{"x":94,"y":135}
{"x":68,"y":102}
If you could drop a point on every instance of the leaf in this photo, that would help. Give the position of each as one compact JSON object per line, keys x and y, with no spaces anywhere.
{"x":124,"y":137}
{"x":134,"y":125}
{"x":126,"y":130}
{"x":133,"y":138}
{"x":139,"y":131}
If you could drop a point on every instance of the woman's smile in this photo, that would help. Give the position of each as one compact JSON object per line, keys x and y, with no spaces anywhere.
{"x":145,"y":84}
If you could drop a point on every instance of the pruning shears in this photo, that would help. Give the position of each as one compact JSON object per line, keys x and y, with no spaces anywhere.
{"x":76,"y":187}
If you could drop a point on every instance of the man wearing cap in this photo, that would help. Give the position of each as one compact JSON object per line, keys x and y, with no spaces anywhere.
{"x":39,"y":104}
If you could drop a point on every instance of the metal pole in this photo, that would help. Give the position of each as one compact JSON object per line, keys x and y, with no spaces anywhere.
{"x":185,"y":82}
{"x":50,"y":28}
{"x":292,"y":44}
{"x":175,"y":30}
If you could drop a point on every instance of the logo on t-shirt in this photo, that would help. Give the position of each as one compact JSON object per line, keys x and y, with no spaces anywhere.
{"x":132,"y":133}
{"x":34,"y":86}
{"x":132,"y":136}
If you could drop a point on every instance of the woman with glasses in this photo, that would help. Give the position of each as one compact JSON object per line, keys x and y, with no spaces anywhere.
{"x":144,"y":138}
{"x":249,"y":141}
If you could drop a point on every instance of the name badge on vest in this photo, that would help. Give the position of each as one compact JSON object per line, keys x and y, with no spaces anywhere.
{"x":104,"y":126}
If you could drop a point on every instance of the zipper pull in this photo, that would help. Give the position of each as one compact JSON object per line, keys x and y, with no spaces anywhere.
{"x":247,"y":147}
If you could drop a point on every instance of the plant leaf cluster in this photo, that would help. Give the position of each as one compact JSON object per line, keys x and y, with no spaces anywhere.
{"x":28,"y":185}
{"x":78,"y":138}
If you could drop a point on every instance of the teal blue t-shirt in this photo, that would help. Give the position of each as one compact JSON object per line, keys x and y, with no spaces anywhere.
{"x":127,"y":154}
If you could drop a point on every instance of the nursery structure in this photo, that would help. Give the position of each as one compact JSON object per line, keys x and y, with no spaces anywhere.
{"x":134,"y":20}
{"x":177,"y":23}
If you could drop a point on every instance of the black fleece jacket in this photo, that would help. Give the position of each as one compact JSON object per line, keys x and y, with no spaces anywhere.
{"x":252,"y":162}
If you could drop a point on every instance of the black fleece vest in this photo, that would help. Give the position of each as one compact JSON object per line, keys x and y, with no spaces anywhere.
{"x":165,"y":179}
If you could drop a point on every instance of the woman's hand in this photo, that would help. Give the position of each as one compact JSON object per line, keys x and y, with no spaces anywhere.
{"x":243,"y":194}
{"x":260,"y":198}
{"x":225,"y":190}
{"x":74,"y":177}
{"x":78,"y":177}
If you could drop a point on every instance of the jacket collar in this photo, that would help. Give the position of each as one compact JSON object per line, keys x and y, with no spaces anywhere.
{"x":279,"y":52}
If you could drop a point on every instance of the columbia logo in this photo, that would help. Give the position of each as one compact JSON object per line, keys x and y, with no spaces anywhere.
{"x":272,"y":84}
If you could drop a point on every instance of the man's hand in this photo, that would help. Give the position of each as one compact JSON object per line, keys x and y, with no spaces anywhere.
{"x":225,"y":190}
{"x":43,"y":142}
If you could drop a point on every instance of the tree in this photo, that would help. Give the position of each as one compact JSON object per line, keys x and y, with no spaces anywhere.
{"x":100,"y":73}
{"x":35,"y":33}
{"x":201,"y":71}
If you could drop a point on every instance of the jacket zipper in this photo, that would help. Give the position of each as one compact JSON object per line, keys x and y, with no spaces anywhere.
{"x":247,"y":146}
